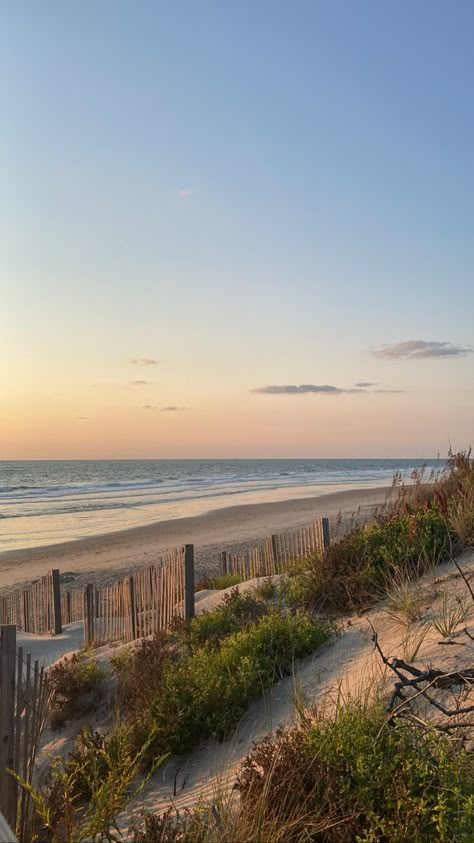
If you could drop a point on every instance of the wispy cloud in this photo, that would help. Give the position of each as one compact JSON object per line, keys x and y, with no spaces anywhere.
{"x":144,"y":361}
{"x":185,"y":192}
{"x":324,"y":389}
{"x":140,"y":383}
{"x":82,"y":418}
{"x":150,"y":407}
{"x":303,"y":389}
{"x":421,"y":349}
{"x":172,"y":409}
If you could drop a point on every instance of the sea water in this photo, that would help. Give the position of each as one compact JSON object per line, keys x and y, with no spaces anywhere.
{"x":45,"y":502}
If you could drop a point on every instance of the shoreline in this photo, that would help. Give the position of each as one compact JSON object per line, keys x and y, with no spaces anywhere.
{"x":233,"y":528}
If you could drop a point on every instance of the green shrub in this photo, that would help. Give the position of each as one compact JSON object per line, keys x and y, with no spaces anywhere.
{"x":355,"y":778}
{"x":223,"y":581}
{"x":205,"y":693}
{"x":75,"y":682}
{"x":139,"y":671}
{"x":353,"y":572}
{"x":267,"y":589}
{"x":235,"y":612}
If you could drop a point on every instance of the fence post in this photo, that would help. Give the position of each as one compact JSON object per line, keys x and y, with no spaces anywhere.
{"x":56,"y":589}
{"x":275,"y":549}
{"x":325,"y":522}
{"x":7,"y":721}
{"x":224,"y":562}
{"x":189,"y":581}
{"x":68,"y":607}
{"x":131,"y":603}
{"x":89,"y":618}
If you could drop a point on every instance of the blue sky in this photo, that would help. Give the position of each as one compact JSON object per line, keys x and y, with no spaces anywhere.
{"x":250,"y":194}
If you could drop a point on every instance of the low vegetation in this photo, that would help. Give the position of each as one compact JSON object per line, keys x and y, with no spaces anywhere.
{"x":348,"y":777}
{"x":357,"y":775}
{"x":205,"y":692}
{"x":218,"y":582}
{"x":75,"y":685}
{"x":85,"y":792}
{"x":423,"y":526}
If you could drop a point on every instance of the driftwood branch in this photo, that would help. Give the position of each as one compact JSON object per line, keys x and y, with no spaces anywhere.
{"x":413,"y":683}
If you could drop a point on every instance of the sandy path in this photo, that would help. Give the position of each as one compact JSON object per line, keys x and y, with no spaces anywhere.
{"x":234,"y":528}
{"x":48,"y":649}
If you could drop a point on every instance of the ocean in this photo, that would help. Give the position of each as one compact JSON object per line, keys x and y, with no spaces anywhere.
{"x":46,"y":502}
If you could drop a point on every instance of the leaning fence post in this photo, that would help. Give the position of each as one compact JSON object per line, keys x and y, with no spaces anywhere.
{"x":56,"y":589}
{"x":325,"y":522}
{"x":8,"y":788}
{"x":189,"y":581}
{"x":89,"y":619}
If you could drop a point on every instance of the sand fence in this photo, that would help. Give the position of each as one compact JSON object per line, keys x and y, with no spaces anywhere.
{"x":277,"y":553}
{"x":148,"y":600}
{"x":24,"y":700}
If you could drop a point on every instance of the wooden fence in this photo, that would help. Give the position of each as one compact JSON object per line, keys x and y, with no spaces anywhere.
{"x":24,"y":700}
{"x":146,"y":601}
{"x":277,"y":552}
{"x":143,"y":603}
{"x":72,"y":606}
{"x":35,"y":607}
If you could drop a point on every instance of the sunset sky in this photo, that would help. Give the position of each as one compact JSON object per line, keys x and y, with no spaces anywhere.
{"x":236,"y":229}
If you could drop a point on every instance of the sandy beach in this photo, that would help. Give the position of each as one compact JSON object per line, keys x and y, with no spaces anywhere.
{"x":233,"y":528}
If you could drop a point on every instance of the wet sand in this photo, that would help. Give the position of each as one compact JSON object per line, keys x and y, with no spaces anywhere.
{"x":234,"y":528}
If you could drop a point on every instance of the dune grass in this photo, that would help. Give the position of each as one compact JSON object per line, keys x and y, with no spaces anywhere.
{"x":337,"y":779}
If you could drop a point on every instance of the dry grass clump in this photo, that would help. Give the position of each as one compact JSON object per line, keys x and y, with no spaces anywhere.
{"x":450,"y":613}
{"x":405,"y":601}
{"x":413,"y":639}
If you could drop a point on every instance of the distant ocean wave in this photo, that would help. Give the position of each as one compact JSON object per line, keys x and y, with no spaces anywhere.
{"x":77,"y":498}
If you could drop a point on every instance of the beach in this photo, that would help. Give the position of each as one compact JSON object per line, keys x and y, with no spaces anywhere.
{"x":232,"y":528}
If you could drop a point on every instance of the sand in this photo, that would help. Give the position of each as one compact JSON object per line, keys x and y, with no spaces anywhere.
{"x":235,"y":528}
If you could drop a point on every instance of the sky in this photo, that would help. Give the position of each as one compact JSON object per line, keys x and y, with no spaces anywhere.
{"x":219,"y":219}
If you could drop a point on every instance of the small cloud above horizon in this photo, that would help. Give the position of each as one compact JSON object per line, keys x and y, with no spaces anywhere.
{"x":170,"y":409}
{"x":185,"y":192}
{"x":144,"y":361}
{"x":421,"y":350}
{"x":303,"y":389}
{"x":323,"y":389}
{"x":140,"y":383}
{"x":82,"y":418}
